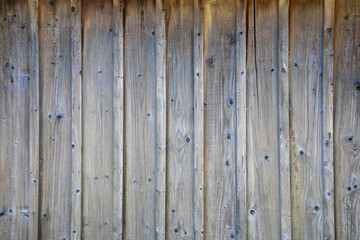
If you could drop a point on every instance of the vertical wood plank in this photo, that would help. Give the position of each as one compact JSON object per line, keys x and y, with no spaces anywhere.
{"x":14,"y":122}
{"x":262,"y":135}
{"x":180,"y":119}
{"x":328,"y":122}
{"x":346,"y":121}
{"x":118,"y":33}
{"x":55,"y":120}
{"x":241,"y":158}
{"x":283,"y":75}
{"x":160,"y":168}
{"x":220,"y":122}
{"x":76,"y":122}
{"x":141,"y":121}
{"x":34,"y":119}
{"x":98,"y":121}
{"x":305,"y":74}
{"x":198,"y":76}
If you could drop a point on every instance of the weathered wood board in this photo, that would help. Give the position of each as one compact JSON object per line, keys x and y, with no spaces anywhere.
{"x":170,"y":119}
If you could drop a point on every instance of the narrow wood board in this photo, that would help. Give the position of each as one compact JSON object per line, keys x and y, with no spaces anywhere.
{"x":180,"y":119}
{"x":263,"y":122}
{"x":55,"y":120}
{"x":328,"y":118}
{"x":306,"y":76}
{"x":284,"y":141}
{"x":14,"y":119}
{"x":346,"y":120}
{"x":76,"y":121}
{"x":220,"y":121}
{"x":198,"y":75}
{"x":98,"y":120}
{"x":140,"y":135}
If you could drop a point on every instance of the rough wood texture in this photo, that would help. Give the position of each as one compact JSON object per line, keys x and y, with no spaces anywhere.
{"x":305,"y":76}
{"x":76,"y":124}
{"x":170,"y":119}
{"x":220,"y":121}
{"x":328,"y":119}
{"x":141,"y":121}
{"x":34,"y":119}
{"x":160,"y":168}
{"x":198,"y":76}
{"x":241,"y":113}
{"x":262,"y":122}
{"x":118,"y":29}
{"x":55,"y":120}
{"x":180,"y":119}
{"x":284,"y":135}
{"x":346,"y":122}
{"x":98,"y":121}
{"x":14,"y":122}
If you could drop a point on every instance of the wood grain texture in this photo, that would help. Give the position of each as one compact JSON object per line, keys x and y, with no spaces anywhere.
{"x":55,"y":120}
{"x":328,"y":119}
{"x":220,"y":121}
{"x":346,"y":121}
{"x":76,"y":121}
{"x":241,"y":113}
{"x":180,"y":119}
{"x":284,"y":142}
{"x":198,"y":76}
{"x":98,"y":121}
{"x":306,"y":76}
{"x":141,"y":121}
{"x":34,"y":119}
{"x":262,"y":128}
{"x":14,"y":122}
{"x":170,"y":119}
{"x":161,"y":89}
{"x":118,"y":34}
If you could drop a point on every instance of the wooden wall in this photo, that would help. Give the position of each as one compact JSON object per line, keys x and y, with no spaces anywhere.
{"x":139,"y":119}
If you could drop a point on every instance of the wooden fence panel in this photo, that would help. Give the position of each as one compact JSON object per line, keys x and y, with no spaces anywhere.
{"x":170,"y":119}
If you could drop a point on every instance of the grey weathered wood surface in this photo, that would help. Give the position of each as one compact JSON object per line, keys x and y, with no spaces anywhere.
{"x":346,"y":119}
{"x":219,"y":124}
{"x":306,"y":78}
{"x":169,"y":119}
{"x":55,"y":120}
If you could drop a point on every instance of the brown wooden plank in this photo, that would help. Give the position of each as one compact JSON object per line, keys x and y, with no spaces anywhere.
{"x":141,"y":115}
{"x":76,"y":127}
{"x":305,"y":74}
{"x":14,"y":122}
{"x":285,"y":188}
{"x":262,"y":128}
{"x":180,"y":119}
{"x":98,"y":120}
{"x":346,"y":119}
{"x":241,"y":163}
{"x":220,"y":122}
{"x":55,"y":120}
{"x":198,"y":76}
{"x":328,"y":119}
